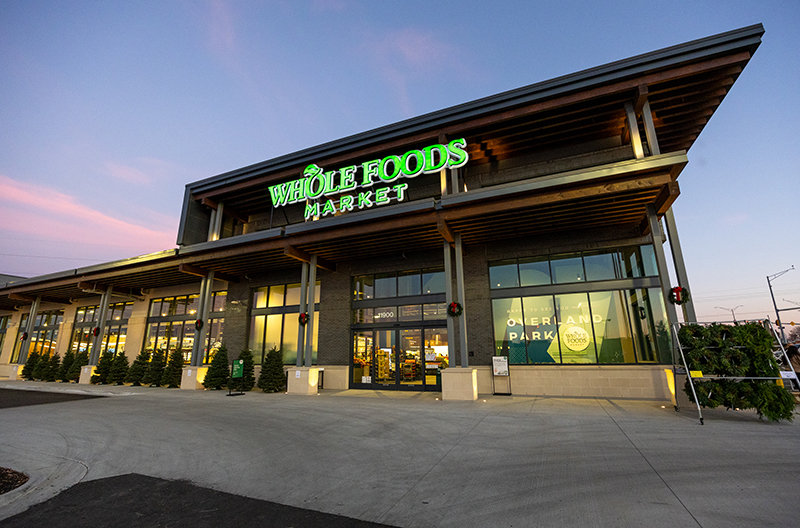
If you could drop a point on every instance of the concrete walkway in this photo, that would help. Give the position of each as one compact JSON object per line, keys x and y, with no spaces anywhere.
{"x":408,"y":459}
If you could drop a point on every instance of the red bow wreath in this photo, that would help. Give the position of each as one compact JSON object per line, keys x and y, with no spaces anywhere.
{"x":454,"y":309}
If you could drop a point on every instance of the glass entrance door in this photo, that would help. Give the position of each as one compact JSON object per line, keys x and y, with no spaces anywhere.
{"x":399,"y":359}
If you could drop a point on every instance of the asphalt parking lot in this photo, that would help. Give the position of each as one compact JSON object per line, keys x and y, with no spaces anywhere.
{"x":398,"y":459}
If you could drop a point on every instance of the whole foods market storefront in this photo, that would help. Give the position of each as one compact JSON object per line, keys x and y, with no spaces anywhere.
{"x":527,"y":224}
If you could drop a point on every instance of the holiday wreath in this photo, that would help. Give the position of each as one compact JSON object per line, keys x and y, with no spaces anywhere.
{"x":678,"y":295}
{"x":454,"y":309}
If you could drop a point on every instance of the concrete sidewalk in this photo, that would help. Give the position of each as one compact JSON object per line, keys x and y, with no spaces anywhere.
{"x":408,"y":459}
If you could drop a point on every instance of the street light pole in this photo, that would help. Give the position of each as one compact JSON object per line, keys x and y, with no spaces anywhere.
{"x":731,"y":310}
{"x":770,"y":278}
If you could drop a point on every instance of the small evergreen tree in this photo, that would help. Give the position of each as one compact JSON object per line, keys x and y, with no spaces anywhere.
{"x":53,"y":365}
{"x":248,"y":379}
{"x":63,"y":371}
{"x":272,"y":378}
{"x":119,"y":369}
{"x":174,"y":371}
{"x":155,"y":370}
{"x":81,"y":360}
{"x":103,"y":369}
{"x":30,"y":364}
{"x":138,"y":368}
{"x":40,"y":370}
{"x":218,"y":371}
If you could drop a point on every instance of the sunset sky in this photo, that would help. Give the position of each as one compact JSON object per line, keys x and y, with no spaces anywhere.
{"x":107,"y":109}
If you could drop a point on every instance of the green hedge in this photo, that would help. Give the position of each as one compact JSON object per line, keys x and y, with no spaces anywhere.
{"x":736,"y":351}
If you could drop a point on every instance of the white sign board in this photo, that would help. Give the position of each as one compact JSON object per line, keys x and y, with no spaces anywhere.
{"x":788,"y":374}
{"x":500,"y":365}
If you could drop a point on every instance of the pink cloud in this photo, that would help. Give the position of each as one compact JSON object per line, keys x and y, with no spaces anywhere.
{"x":128,"y":174}
{"x":37,"y":210}
{"x":409,"y":55}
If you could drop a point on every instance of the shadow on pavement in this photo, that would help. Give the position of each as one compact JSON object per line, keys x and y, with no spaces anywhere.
{"x":138,"y":501}
{"x":20,"y":398}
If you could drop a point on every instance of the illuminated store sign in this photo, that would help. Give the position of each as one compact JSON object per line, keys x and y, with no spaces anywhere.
{"x":348,"y":182}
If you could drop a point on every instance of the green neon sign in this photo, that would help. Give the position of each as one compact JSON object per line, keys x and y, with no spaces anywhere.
{"x":354,"y":183}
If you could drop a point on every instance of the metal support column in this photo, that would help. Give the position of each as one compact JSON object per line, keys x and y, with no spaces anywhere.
{"x":462,"y":320}
{"x":301,"y":331}
{"x":215,"y":222}
{"x":448,"y":297}
{"x":28,"y":332}
{"x":650,"y":129}
{"x":661,"y":260}
{"x":689,"y":314}
{"x":197,"y":346}
{"x":312,"y":294}
{"x":105,"y":301}
{"x":633,"y":128}
{"x":454,"y":181}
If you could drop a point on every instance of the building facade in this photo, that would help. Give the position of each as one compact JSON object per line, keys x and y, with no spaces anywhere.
{"x":529,"y":225}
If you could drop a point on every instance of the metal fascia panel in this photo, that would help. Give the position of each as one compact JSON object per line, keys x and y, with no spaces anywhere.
{"x":564,"y":178}
{"x":258,"y":236}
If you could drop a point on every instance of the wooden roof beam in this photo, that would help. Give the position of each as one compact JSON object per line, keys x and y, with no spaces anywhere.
{"x":445,"y":230}
{"x":208,"y":202}
{"x":101,"y":288}
{"x":203,"y":272}
{"x":32,"y":298}
{"x":299,"y":254}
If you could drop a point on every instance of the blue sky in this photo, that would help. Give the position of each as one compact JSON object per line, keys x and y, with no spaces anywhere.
{"x":107,"y":109}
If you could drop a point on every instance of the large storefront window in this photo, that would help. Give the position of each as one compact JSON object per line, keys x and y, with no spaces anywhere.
{"x":114,"y":334}
{"x":171,"y":325}
{"x":4,"y":321}
{"x":274,"y":322}
{"x":44,"y":335}
{"x":625,"y":324}
{"x":583,"y":328}
{"x":399,"y":334}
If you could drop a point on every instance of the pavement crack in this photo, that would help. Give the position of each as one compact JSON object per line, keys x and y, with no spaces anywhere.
{"x":648,"y":463}
{"x":433,"y":466}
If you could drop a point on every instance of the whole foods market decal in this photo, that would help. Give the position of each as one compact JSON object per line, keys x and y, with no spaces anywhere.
{"x":356,"y":190}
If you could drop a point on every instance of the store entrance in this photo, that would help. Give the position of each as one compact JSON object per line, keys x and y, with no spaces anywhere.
{"x":399,"y":359}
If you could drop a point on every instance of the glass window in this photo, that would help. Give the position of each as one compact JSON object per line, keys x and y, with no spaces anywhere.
{"x":258,"y":325}
{"x":289,"y":348}
{"x":362,"y":315}
{"x":193,"y":304}
{"x":260,"y":297}
{"x":274,"y":333}
{"x":409,"y":283}
{"x":384,"y":315}
{"x":541,"y":330}
{"x":410,"y":313}
{"x":293,"y":295}
{"x":612,"y":327}
{"x":575,"y":330}
{"x":218,"y":303}
{"x":649,"y":261}
{"x":504,"y":274}
{"x":566,"y":269}
{"x":276,"y":295}
{"x":434,"y":312}
{"x":363,"y":288}
{"x":433,"y":281}
{"x":385,"y":285}
{"x":534,"y":271}
{"x":509,"y":329}
{"x":602,"y":265}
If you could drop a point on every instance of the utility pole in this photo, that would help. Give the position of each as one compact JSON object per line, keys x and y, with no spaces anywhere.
{"x":731,"y":310}
{"x":771,"y":278}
